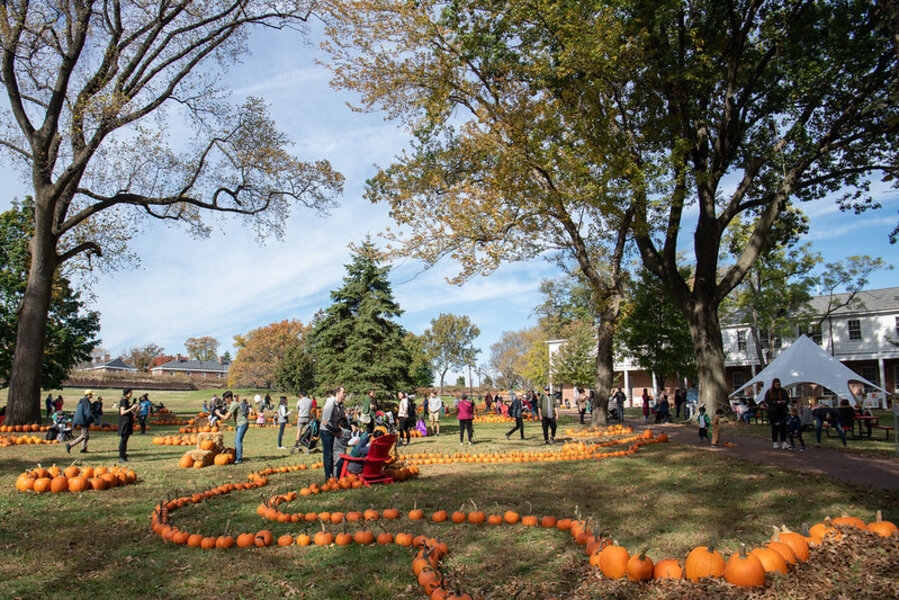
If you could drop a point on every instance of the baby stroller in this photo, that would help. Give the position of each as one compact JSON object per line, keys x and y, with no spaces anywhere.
{"x":308,"y":438}
{"x":61,"y":429}
{"x":384,"y":423}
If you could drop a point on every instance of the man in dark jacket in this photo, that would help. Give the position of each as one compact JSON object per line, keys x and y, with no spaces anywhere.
{"x":82,"y":419}
{"x":515,"y":411}
{"x":830,"y":414}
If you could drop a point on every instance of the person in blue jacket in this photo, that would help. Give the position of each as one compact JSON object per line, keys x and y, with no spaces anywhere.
{"x":515,"y":411}
{"x":82,"y":420}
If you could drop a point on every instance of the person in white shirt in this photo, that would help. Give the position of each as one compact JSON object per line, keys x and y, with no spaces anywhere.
{"x":403,"y":418}
{"x":281,"y":419}
{"x":435,"y":406}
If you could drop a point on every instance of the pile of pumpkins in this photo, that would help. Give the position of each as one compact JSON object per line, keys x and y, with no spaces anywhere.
{"x":74,"y":479}
{"x":209,"y":451}
{"x":15,"y":440}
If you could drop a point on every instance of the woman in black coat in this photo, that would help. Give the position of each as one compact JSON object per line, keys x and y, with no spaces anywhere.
{"x":126,"y":422}
{"x":778,"y":402}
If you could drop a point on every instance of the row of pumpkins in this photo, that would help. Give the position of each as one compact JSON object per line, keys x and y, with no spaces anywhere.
{"x":74,"y":479}
{"x":614,"y":561}
{"x":16,"y":440}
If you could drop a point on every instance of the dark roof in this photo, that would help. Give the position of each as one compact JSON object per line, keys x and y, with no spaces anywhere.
{"x":866,"y":301}
{"x":193,"y":365}
{"x":116,"y":363}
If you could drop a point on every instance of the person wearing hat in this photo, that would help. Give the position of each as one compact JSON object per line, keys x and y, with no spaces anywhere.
{"x":82,"y":419}
{"x":126,"y":423}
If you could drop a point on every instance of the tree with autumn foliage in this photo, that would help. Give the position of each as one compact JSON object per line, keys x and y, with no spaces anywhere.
{"x":493,"y":175}
{"x":261,"y":351}
{"x":671,"y":118}
{"x":202,"y":348}
{"x":358,"y":344}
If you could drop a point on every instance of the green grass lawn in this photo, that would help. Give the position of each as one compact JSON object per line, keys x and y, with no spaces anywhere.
{"x":669,"y":498}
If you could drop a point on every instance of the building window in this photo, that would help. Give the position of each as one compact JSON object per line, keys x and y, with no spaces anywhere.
{"x":814,"y":332}
{"x":764,"y":339}
{"x":741,"y":341}
{"x":897,"y":327}
{"x":739,"y":379}
{"x":855,"y":329}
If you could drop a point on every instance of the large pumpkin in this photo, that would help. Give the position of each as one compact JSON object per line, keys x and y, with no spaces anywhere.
{"x":883,"y":528}
{"x":613,"y":561}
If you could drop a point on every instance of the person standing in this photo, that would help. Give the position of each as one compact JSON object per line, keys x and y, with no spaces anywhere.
{"x":516,"y":411}
{"x":82,"y":419}
{"x":619,"y":398}
{"x":366,"y":417}
{"x":283,"y":413}
{"x":678,"y":402}
{"x":717,"y":420}
{"x":126,"y":423}
{"x":488,"y":401}
{"x":240,"y":411}
{"x":704,"y":424}
{"x":267,"y":402}
{"x":466,"y":418}
{"x":143,"y":412}
{"x":582,"y":405}
{"x":794,"y":429}
{"x":435,"y":405}
{"x":331,"y":415}
{"x":48,"y":403}
{"x":646,"y":400}
{"x":97,"y":410}
{"x":549,"y":412}
{"x":403,"y":418}
{"x":778,"y":412}
{"x":57,"y":404}
{"x":304,"y":417}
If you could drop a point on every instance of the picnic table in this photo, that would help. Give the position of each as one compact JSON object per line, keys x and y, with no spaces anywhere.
{"x":867,"y":420}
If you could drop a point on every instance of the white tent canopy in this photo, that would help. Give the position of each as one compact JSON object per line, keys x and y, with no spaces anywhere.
{"x":806,"y":362}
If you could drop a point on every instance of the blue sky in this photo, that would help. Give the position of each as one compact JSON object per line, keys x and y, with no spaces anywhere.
{"x":228,"y":283}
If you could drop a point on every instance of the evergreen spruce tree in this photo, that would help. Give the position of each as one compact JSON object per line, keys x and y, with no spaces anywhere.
{"x":357,"y":344}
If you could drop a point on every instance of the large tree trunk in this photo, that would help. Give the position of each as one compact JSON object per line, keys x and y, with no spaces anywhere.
{"x":605,"y":370}
{"x":24,"y":405}
{"x":705,"y":330}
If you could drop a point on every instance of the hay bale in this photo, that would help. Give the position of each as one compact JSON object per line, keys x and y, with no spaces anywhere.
{"x":217,"y":438}
{"x":204,"y":456}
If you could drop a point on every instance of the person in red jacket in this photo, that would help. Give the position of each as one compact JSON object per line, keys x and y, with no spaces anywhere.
{"x":466,"y":418}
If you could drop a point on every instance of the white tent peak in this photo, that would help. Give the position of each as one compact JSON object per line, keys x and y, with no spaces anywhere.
{"x":806,"y":362}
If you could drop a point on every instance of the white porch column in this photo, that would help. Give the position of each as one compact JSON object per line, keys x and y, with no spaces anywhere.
{"x":655,"y":385}
{"x":882,"y":383}
{"x":627,"y":384}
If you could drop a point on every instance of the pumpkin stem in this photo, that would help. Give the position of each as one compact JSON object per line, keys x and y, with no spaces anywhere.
{"x":643,"y":552}
{"x":879,"y":516}
{"x":473,"y":504}
{"x":530,"y":506}
{"x":776,"y":536}
{"x":742,"y":550}
{"x":323,"y":525}
{"x":227,"y":525}
{"x":805,"y":530}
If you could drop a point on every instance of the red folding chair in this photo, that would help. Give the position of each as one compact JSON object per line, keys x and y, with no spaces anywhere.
{"x":373,"y":464}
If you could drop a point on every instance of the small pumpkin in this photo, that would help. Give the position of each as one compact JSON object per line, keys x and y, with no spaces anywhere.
{"x":703,"y":561}
{"x":771,"y":560}
{"x":639,"y":567}
{"x":795,"y":541}
{"x":744,"y":570}
{"x":883,"y":528}
{"x":668,"y":568}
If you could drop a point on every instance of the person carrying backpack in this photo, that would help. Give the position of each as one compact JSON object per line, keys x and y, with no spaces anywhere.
{"x":82,"y":419}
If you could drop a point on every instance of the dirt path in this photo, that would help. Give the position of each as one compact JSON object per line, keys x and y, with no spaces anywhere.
{"x":852,"y":468}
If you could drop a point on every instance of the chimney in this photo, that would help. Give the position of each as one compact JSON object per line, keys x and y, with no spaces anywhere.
{"x":105,"y":358}
{"x":180,"y":358}
{"x":221,"y":360}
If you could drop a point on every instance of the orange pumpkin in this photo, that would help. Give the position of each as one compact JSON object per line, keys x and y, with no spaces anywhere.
{"x":613,"y":561}
{"x":771,"y":560}
{"x":883,"y":528}
{"x":667,"y":569}
{"x":743,"y":570}
{"x":59,"y":484}
{"x":703,"y":561}
{"x":41,"y":485}
{"x":639,"y":567}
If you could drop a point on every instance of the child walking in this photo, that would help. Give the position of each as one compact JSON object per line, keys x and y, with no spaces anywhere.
{"x":716,"y":426}
{"x":704,"y":423}
{"x":794,"y":428}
